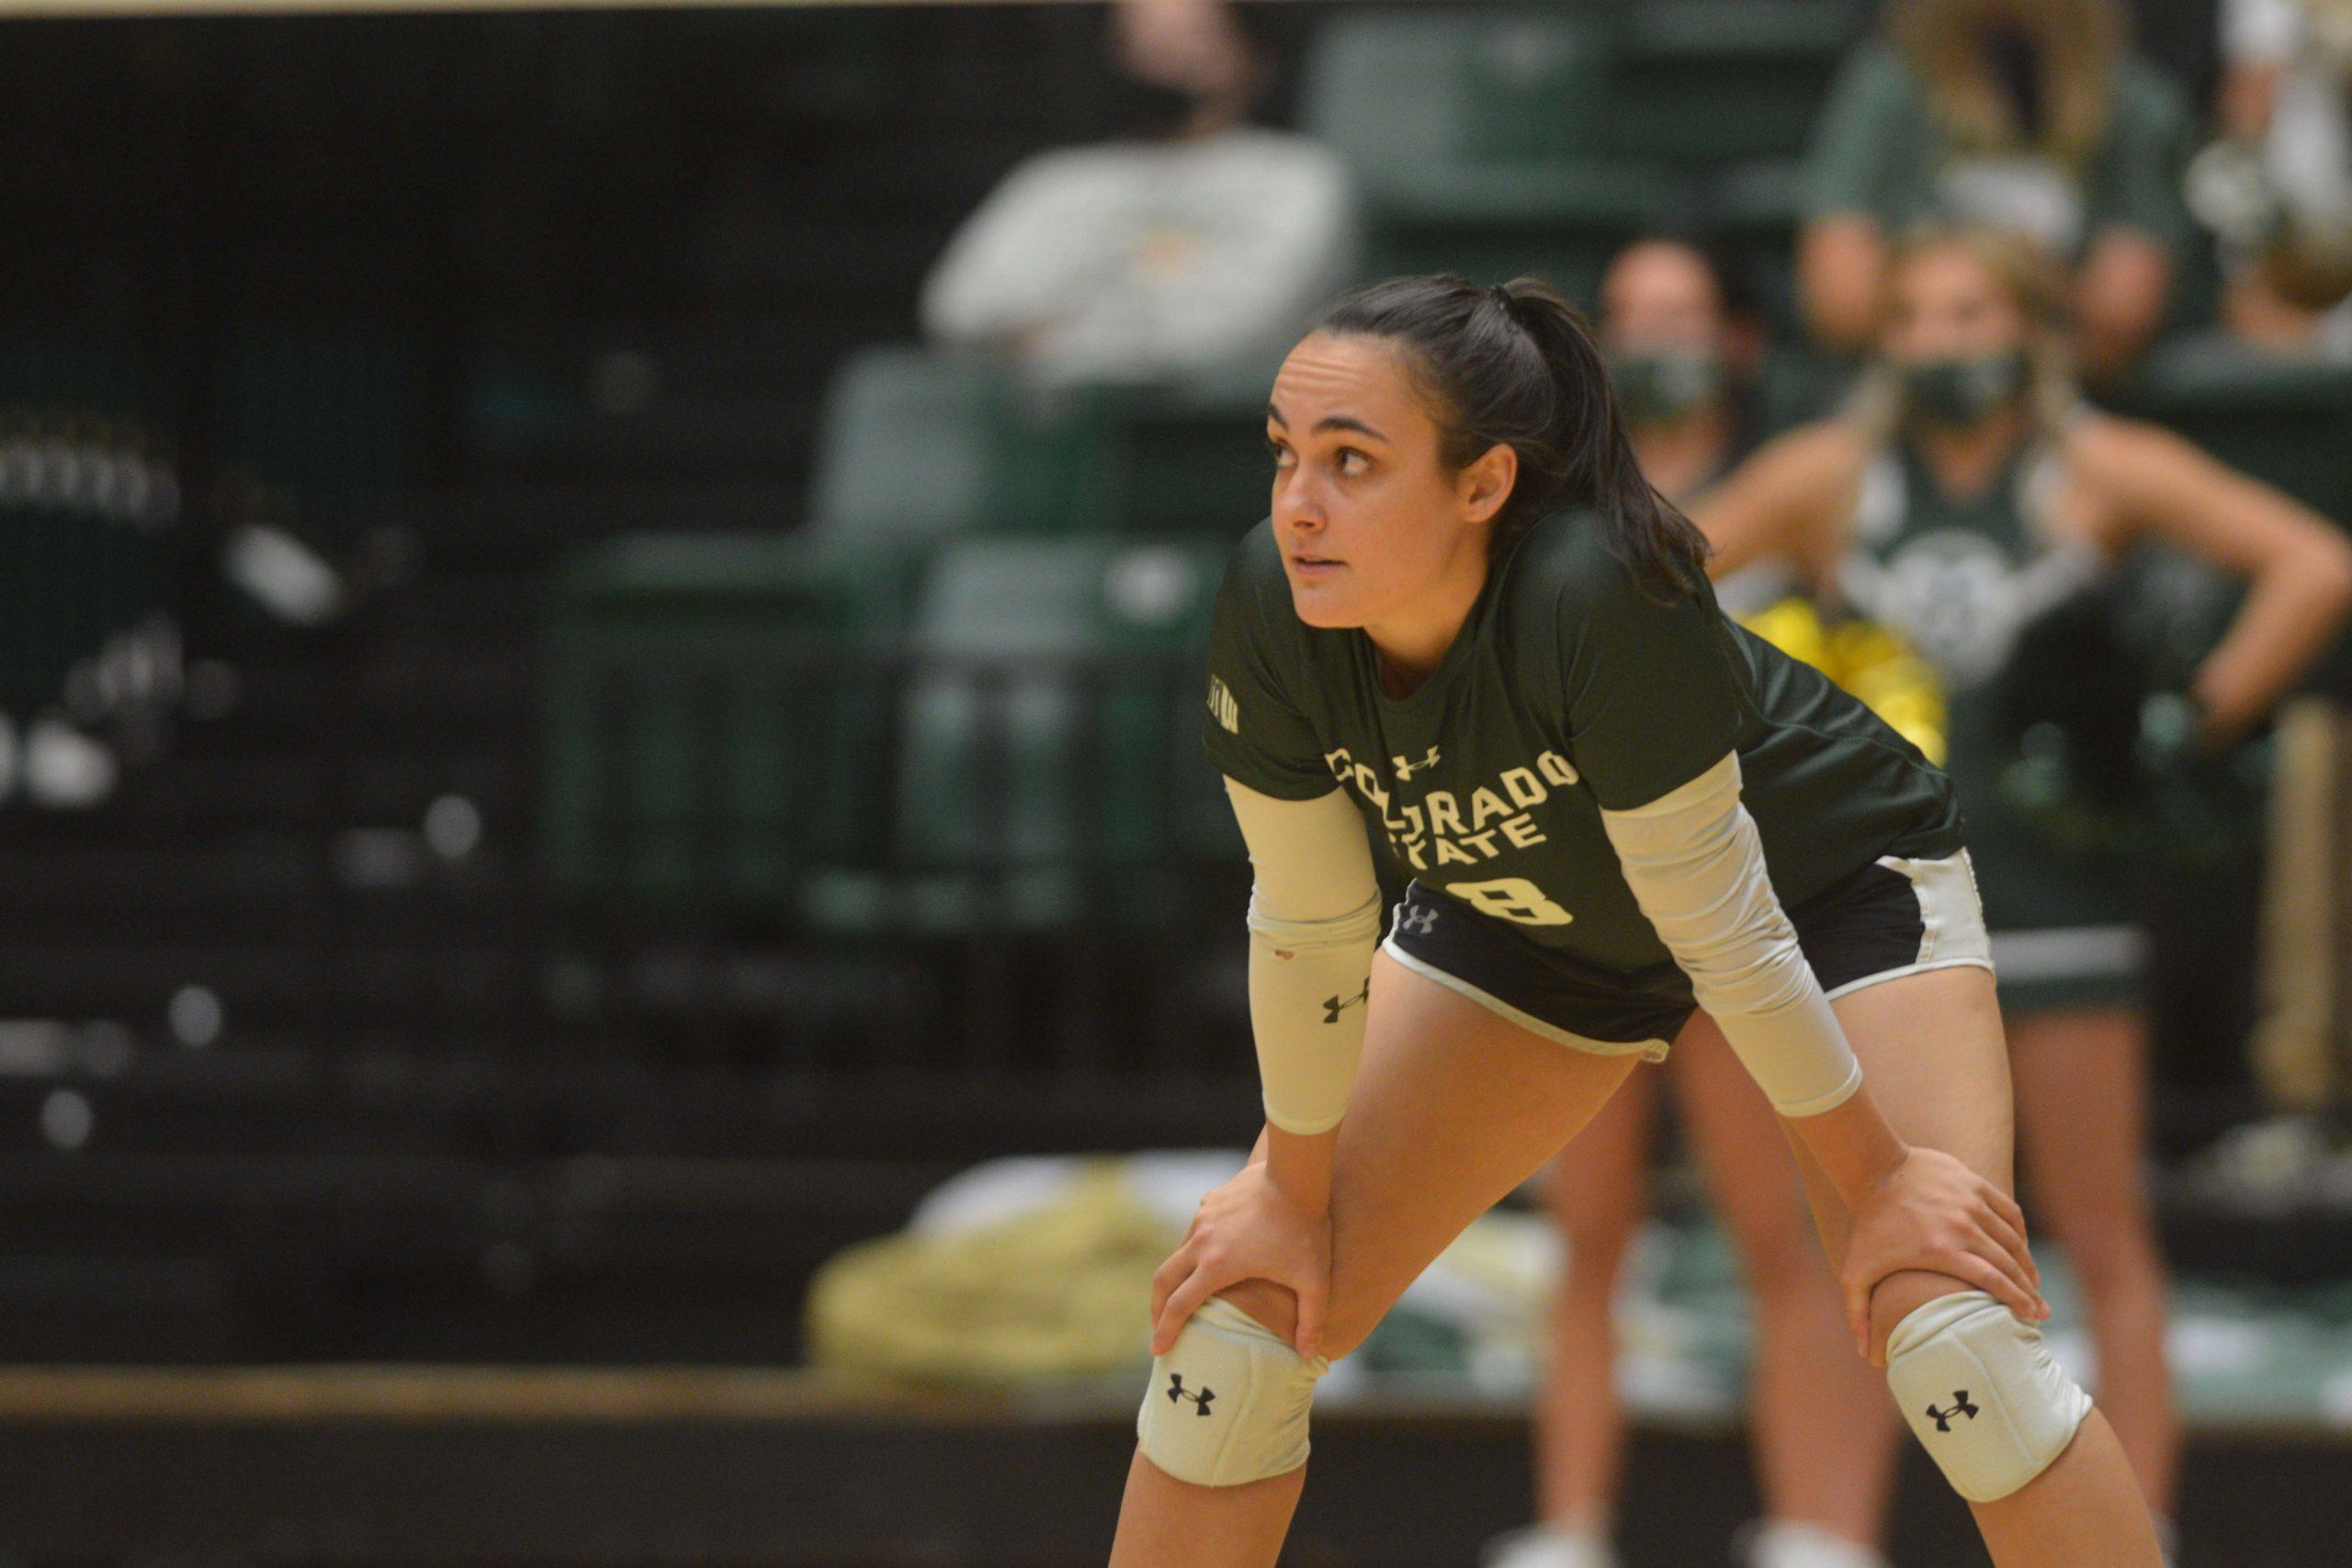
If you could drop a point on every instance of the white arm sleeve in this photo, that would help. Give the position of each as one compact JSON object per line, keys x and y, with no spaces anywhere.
{"x":1314,"y":917}
{"x":1696,"y":867}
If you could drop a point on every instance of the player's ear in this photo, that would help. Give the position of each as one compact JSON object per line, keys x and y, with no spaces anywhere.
{"x":1485,"y":482}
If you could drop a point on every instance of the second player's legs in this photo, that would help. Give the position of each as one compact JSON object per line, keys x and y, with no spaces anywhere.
{"x":1597,"y":1191}
{"x":1825,"y":1436}
{"x":1934,"y":1056}
{"x":2082,"y":1123}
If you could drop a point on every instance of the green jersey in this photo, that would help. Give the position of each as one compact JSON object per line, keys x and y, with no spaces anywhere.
{"x":1569,"y":690}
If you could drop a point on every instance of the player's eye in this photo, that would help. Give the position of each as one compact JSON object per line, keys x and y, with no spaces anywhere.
{"x":1354,"y":462}
{"x":1280,"y":453}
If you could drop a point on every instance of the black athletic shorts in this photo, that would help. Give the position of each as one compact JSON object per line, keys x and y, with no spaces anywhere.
{"x":1892,"y":917}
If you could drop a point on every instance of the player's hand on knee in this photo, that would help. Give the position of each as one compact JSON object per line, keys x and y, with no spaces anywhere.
{"x":1933,"y":1212}
{"x":1247,"y":1229}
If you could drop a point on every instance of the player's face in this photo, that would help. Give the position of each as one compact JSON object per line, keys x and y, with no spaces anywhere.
{"x":1367,"y":516}
{"x":1943,"y":304}
{"x":1659,"y":299}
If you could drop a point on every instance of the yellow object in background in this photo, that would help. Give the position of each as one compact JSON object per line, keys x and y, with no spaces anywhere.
{"x":1871,"y":661}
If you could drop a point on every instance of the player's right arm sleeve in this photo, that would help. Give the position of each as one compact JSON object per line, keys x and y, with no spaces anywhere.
{"x":1313,"y":918}
{"x":1696,"y":865}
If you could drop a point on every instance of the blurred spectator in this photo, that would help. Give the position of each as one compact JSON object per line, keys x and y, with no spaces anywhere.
{"x":2029,"y":115}
{"x":2276,"y":187}
{"x":1969,"y":499}
{"x":1686,"y":345}
{"x":1195,"y":241}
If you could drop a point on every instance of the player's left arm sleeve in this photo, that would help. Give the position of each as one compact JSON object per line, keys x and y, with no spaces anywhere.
{"x":1314,"y":917}
{"x":1696,"y":865}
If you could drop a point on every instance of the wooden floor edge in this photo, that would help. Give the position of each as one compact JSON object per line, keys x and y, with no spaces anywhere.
{"x":496,"y":1395}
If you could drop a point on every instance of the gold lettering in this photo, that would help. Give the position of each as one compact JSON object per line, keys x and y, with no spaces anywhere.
{"x":1445,"y":816}
{"x":1486,"y":803}
{"x":1448,"y":855}
{"x":1525,"y":791}
{"x":1556,"y":768}
{"x":1522,"y":832}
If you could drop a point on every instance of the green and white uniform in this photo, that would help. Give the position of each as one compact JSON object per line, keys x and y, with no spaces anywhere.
{"x":1960,"y":578}
{"x":1569,"y":690}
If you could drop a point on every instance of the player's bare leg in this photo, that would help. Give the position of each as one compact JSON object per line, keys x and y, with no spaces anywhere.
{"x":1932,"y":1050}
{"x":1453,"y":1107}
{"x":1825,"y":1437}
{"x":1597,"y":1193}
{"x":2082,"y":1124}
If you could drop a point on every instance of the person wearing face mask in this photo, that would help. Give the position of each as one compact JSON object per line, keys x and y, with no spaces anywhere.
{"x":1684,"y":348}
{"x":2027,"y":114}
{"x":1192,"y":243}
{"x":1967,"y":491}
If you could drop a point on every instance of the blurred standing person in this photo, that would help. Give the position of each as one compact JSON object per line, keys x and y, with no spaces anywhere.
{"x":2276,"y":187}
{"x":1685,"y":347}
{"x":1193,"y":241}
{"x":1969,"y":489}
{"x":2032,"y":116}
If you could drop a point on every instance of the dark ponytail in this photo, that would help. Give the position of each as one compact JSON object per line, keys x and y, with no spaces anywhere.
{"x":1515,"y":366}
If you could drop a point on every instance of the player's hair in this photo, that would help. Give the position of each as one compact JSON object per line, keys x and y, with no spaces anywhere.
{"x":1515,"y":366}
{"x":2029,"y":276}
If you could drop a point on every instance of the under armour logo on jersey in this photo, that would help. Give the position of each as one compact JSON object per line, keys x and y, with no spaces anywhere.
{"x":1333,"y":1005}
{"x":1960,"y":1407}
{"x":1176,"y":1390}
{"x":1418,"y":920}
{"x":1406,"y":770}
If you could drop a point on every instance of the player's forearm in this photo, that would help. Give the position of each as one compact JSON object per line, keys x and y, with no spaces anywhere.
{"x":1852,"y":1142}
{"x":2291,"y":614}
{"x":1300,"y":1164}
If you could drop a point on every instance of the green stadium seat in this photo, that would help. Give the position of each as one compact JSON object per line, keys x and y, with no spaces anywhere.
{"x":1185,"y":458}
{"x":1707,"y":82}
{"x":1048,"y":769}
{"x":1475,"y":141}
{"x":712,"y":716}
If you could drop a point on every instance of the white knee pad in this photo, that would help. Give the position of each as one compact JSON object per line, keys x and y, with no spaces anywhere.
{"x":1989,"y":1403}
{"x":1227,"y":1403}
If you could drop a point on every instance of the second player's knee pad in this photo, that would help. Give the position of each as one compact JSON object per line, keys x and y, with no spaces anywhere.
{"x":1229,"y":1402}
{"x":1987,"y":1400}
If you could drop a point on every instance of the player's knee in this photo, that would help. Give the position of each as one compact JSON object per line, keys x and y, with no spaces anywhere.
{"x":1228,"y":1404}
{"x":1899,"y":1296}
{"x":1982,"y":1392}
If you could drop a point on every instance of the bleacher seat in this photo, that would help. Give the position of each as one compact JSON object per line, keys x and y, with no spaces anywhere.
{"x":711,"y":712}
{"x":1047,"y":767}
{"x":1713,"y":82}
{"x":1478,"y":141}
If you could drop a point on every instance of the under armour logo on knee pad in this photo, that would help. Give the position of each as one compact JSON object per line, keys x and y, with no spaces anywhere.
{"x":1176,"y":1390}
{"x":1419,"y":921}
{"x":1960,"y":1406}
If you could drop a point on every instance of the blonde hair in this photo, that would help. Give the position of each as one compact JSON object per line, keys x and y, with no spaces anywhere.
{"x":2077,"y":43}
{"x":2031,"y":279}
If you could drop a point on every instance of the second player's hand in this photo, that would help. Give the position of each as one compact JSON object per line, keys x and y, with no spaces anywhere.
{"x":1932,"y":1212}
{"x":1248,"y":1229}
